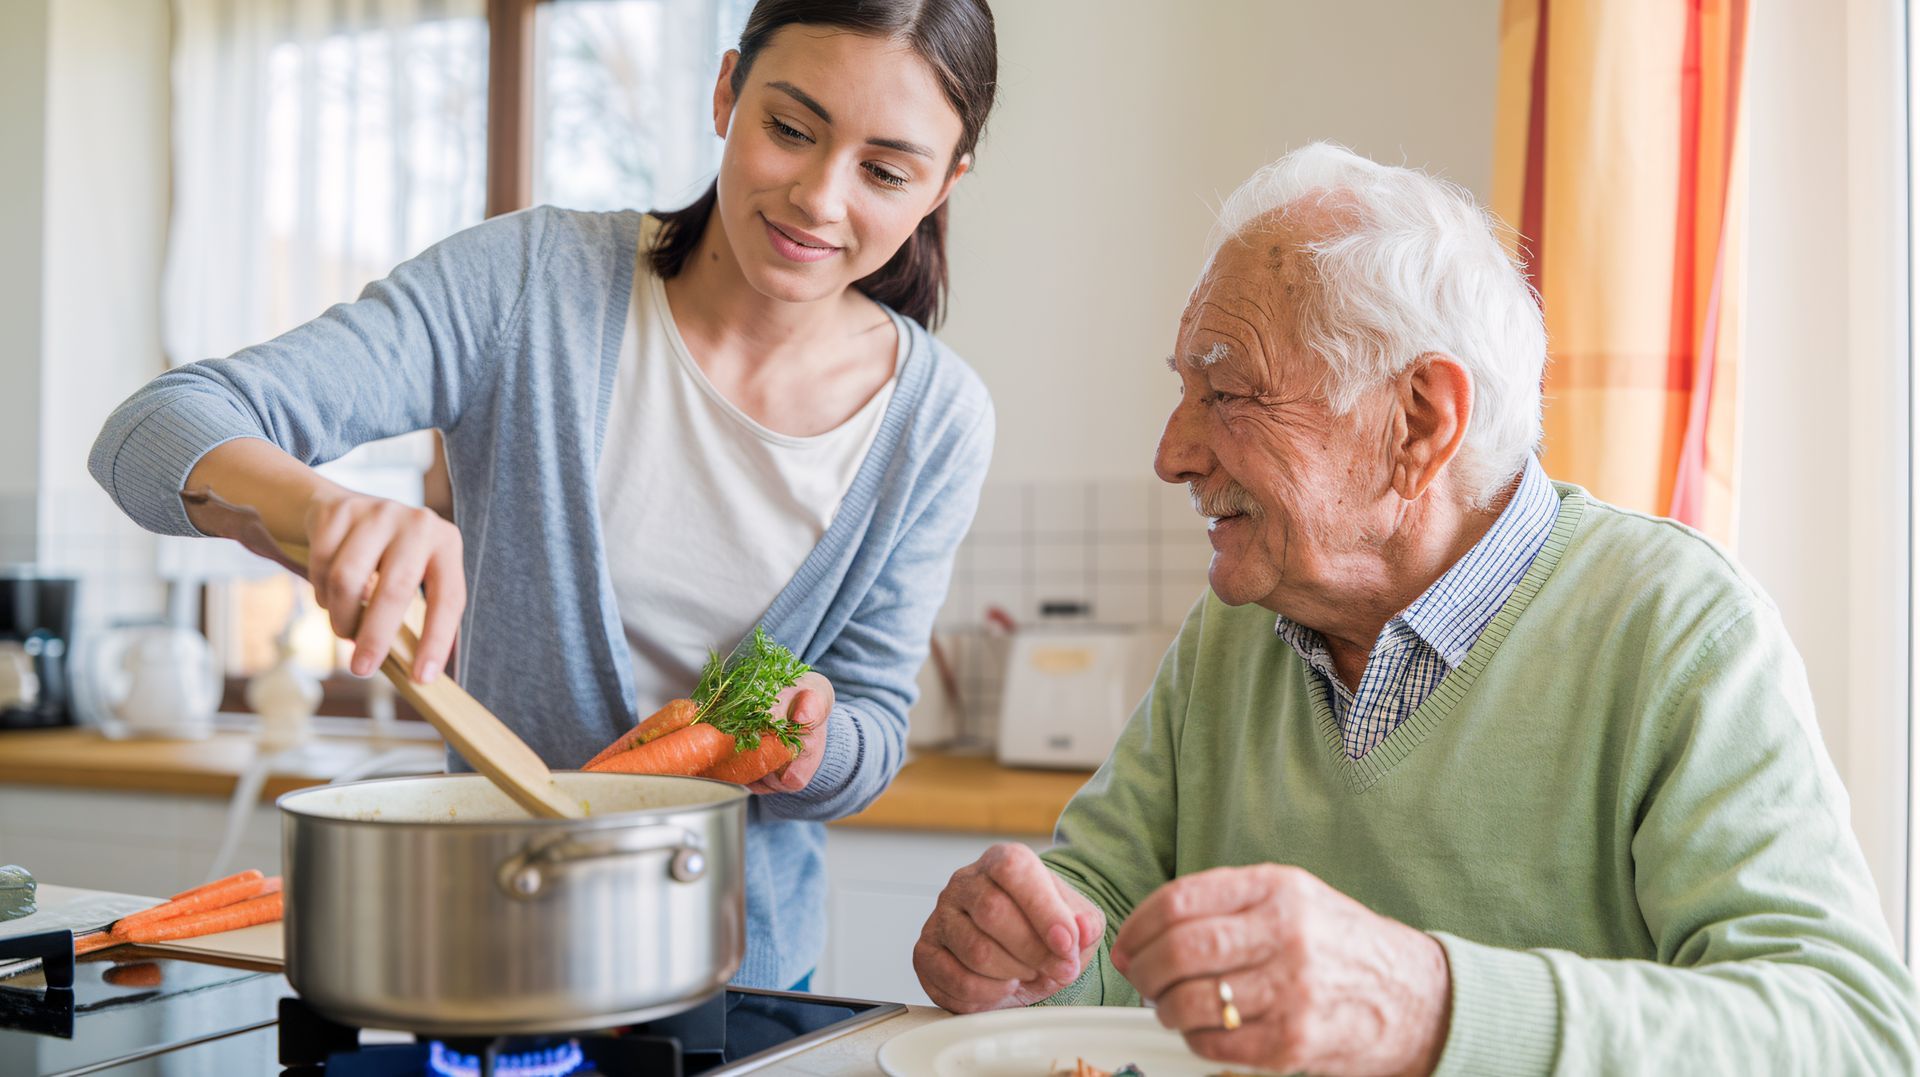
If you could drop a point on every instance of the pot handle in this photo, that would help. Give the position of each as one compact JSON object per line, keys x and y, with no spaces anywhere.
{"x":525,"y":875}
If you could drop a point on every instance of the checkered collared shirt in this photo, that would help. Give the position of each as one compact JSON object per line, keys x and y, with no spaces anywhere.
{"x":1427,"y":640}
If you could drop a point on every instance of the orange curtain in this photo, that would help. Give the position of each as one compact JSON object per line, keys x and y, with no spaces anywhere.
{"x":1620,"y":160}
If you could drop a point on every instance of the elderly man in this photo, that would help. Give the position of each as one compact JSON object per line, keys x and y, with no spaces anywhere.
{"x":1518,"y":781}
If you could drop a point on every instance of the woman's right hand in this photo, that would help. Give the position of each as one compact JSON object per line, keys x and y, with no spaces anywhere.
{"x":367,"y":557}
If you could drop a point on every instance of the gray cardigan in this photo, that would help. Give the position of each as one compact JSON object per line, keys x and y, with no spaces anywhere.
{"x":506,"y":337}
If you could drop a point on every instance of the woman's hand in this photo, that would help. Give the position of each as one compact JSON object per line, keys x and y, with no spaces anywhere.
{"x":367,"y":558}
{"x":808,"y":702}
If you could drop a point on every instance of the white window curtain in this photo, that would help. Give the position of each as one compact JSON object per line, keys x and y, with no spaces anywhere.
{"x":316,"y":145}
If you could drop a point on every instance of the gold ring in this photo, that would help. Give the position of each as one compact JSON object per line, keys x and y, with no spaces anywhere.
{"x":1229,"y":1013}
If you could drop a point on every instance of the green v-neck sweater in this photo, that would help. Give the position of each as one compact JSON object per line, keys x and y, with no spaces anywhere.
{"x":1616,"y":816}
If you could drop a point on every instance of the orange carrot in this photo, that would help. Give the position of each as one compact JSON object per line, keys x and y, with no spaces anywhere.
{"x":259,"y":910}
{"x":750,"y":766}
{"x":200,"y":899}
{"x":250,"y":873}
{"x":677,"y":714}
{"x":94,"y":940}
{"x":686,"y":751}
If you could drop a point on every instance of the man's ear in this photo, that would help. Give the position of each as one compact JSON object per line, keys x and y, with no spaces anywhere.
{"x":723,"y":99}
{"x":1433,"y":399}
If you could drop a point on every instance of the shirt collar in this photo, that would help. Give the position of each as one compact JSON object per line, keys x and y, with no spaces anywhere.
{"x":1454,"y":610}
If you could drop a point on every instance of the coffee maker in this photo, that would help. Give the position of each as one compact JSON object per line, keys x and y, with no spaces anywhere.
{"x":36,"y":639}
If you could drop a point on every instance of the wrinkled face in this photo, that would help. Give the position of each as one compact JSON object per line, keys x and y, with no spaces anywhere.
{"x":1289,"y":490}
{"x":837,"y":146}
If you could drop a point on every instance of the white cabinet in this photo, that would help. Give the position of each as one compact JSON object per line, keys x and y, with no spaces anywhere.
{"x":134,"y":843}
{"x":881,"y":885}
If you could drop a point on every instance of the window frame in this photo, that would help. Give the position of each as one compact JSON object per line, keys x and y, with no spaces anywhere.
{"x":510,"y":66}
{"x":510,"y":41}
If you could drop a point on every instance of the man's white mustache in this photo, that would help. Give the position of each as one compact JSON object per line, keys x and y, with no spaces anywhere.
{"x":1232,"y":499}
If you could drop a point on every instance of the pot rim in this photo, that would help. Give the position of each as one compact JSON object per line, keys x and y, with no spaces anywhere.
{"x":285,"y":802}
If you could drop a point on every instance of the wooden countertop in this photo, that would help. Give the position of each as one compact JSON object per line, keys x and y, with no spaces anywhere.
{"x":932,"y":792}
{"x":82,"y":758}
{"x":972,"y":794}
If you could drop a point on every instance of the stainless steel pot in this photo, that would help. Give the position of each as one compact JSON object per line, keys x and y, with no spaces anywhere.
{"x":436,"y":905}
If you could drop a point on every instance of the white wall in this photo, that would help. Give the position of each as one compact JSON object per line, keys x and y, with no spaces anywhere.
{"x":1824,"y":499}
{"x":105,"y":219}
{"x":1120,"y":127}
{"x":23,"y":86}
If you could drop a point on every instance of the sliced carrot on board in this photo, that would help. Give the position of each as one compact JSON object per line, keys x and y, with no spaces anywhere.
{"x":214,"y":895}
{"x":90,"y":941}
{"x":250,"y":873}
{"x":259,"y":910}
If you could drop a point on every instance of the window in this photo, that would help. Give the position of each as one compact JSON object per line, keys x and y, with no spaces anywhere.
{"x":317,"y":146}
{"x":623,"y":99}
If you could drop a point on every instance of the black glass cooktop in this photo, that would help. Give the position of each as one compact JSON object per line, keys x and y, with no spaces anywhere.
{"x":138,"y":1012}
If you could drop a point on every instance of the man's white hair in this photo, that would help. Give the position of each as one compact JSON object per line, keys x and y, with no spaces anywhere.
{"x":1412,"y":265}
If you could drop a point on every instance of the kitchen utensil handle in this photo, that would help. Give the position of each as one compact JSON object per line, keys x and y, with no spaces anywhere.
{"x":525,"y":876}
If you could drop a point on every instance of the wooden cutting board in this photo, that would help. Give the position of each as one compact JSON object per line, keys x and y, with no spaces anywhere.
{"x":264,"y":943}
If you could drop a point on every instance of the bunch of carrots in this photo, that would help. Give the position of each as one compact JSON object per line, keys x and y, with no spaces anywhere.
{"x":236,"y":901}
{"x":727,"y":730}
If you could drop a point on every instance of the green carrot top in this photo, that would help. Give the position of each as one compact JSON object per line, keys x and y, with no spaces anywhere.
{"x":736,"y":694}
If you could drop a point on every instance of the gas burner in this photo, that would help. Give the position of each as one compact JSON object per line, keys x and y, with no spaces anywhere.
{"x":734,"y":1031}
{"x":533,"y":1061}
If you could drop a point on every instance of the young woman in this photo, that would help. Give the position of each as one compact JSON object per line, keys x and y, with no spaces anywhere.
{"x":661,"y":431}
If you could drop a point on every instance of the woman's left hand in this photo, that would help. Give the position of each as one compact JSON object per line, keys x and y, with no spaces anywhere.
{"x":808,"y":703}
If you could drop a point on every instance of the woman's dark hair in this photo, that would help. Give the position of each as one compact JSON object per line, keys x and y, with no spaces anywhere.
{"x":955,"y":38}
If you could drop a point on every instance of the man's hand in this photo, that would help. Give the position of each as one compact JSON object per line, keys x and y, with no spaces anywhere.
{"x":1320,"y":982}
{"x":1006,"y":932}
{"x":808,"y":702}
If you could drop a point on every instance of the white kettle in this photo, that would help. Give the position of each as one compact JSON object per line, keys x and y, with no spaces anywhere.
{"x":150,"y":681}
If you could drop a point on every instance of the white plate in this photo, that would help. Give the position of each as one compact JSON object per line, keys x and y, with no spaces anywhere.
{"x":1026,"y":1043}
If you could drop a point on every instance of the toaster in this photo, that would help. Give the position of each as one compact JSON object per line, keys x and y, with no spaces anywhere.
{"x":1068,"y":692}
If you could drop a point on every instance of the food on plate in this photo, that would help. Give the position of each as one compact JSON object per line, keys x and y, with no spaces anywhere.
{"x":727,"y":730}
{"x":1082,"y":1068}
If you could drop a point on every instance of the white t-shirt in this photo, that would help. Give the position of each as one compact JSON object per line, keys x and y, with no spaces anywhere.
{"x":706,"y":514}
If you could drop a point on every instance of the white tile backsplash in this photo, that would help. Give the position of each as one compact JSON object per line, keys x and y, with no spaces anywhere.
{"x":1061,"y":509}
{"x":1123,"y":509}
{"x":1133,"y":551}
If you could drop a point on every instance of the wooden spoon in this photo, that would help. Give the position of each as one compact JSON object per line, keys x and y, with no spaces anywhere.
{"x":481,"y":739}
